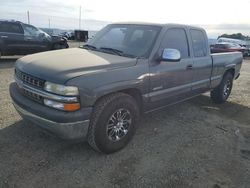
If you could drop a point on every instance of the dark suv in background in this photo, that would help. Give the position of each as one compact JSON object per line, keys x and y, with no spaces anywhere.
{"x":17,"y":38}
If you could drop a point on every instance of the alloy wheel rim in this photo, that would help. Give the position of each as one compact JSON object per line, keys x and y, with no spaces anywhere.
{"x":118,"y":124}
{"x":227,"y":88}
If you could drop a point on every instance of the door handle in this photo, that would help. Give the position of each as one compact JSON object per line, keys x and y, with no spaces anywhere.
{"x":4,"y":37}
{"x":189,"y":67}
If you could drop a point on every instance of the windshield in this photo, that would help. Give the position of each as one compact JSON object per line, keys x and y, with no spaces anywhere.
{"x":133,"y":40}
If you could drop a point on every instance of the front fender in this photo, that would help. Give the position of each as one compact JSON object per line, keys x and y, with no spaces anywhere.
{"x":89,"y":97}
{"x":92,"y":86}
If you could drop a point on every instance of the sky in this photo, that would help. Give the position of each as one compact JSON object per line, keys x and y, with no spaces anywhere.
{"x":216,"y":16}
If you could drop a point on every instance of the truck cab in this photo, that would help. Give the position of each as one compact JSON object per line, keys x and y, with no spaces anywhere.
{"x":186,"y":77}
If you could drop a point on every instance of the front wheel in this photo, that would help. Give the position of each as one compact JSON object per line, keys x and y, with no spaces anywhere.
{"x":113,"y":123}
{"x":221,"y":93}
{"x":64,"y":46}
{"x":60,"y":46}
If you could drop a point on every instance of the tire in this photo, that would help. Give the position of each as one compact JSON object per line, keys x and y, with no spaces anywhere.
{"x":57,"y":47}
{"x":105,"y":132}
{"x":65,"y":46}
{"x":60,"y":46}
{"x":221,"y":93}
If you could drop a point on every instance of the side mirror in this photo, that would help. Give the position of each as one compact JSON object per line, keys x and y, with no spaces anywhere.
{"x":171,"y":55}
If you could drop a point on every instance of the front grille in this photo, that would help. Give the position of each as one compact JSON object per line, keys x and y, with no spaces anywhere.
{"x":31,"y":80}
{"x":32,"y":96}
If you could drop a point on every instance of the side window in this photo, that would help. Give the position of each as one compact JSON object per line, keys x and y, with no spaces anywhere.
{"x":199,"y":43}
{"x":10,"y":28}
{"x":176,"y":38}
{"x":30,"y":30}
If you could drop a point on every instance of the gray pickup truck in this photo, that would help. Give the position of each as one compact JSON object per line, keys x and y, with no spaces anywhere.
{"x":99,"y":90}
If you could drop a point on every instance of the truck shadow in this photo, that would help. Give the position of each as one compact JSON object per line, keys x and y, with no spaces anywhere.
{"x":229,"y":110}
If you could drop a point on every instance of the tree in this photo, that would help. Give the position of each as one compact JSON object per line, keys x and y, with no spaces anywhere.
{"x":236,"y":36}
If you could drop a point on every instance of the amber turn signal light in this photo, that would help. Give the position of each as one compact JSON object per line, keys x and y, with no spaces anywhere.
{"x":71,"y":107}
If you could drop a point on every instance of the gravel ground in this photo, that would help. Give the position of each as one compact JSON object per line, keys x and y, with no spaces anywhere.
{"x":192,"y":144}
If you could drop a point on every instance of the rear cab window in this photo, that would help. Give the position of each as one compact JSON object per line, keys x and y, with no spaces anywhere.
{"x":198,"y":43}
{"x":8,"y":27}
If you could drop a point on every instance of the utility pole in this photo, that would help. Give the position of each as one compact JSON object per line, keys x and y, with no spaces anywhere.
{"x":28,"y":14}
{"x":80,"y":18}
{"x":82,"y":15}
{"x":49,"y":23}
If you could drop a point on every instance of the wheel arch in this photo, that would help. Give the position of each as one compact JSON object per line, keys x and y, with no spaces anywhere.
{"x":230,"y":70}
{"x":133,"y":92}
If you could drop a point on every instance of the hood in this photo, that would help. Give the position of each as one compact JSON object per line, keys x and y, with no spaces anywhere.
{"x":61,"y":65}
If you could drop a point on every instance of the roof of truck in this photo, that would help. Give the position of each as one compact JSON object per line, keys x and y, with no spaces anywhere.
{"x":158,"y":24}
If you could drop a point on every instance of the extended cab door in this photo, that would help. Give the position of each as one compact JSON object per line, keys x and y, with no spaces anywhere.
{"x":11,"y":38}
{"x":171,"y":81}
{"x":202,"y":66}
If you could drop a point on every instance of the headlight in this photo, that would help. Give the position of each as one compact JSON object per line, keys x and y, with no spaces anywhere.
{"x":61,"y":89}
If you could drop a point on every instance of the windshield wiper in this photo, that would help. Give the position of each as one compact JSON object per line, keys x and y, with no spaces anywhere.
{"x":105,"y":49}
{"x":114,"y":51}
{"x":89,"y":47}
{"x":117,"y":52}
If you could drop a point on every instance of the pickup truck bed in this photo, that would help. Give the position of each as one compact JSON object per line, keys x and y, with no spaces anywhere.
{"x":222,"y":62}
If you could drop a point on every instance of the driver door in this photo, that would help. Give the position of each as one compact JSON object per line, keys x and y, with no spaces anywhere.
{"x":171,"y":82}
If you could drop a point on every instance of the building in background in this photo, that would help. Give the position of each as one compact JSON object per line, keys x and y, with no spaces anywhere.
{"x":81,"y":35}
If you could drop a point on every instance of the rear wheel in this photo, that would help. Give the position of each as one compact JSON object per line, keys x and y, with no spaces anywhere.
{"x":113,"y":123}
{"x":221,"y":93}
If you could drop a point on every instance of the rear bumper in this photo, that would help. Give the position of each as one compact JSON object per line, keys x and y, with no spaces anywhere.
{"x":67,"y":125}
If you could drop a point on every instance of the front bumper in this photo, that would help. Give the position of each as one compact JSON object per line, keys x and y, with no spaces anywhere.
{"x":67,"y":125}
